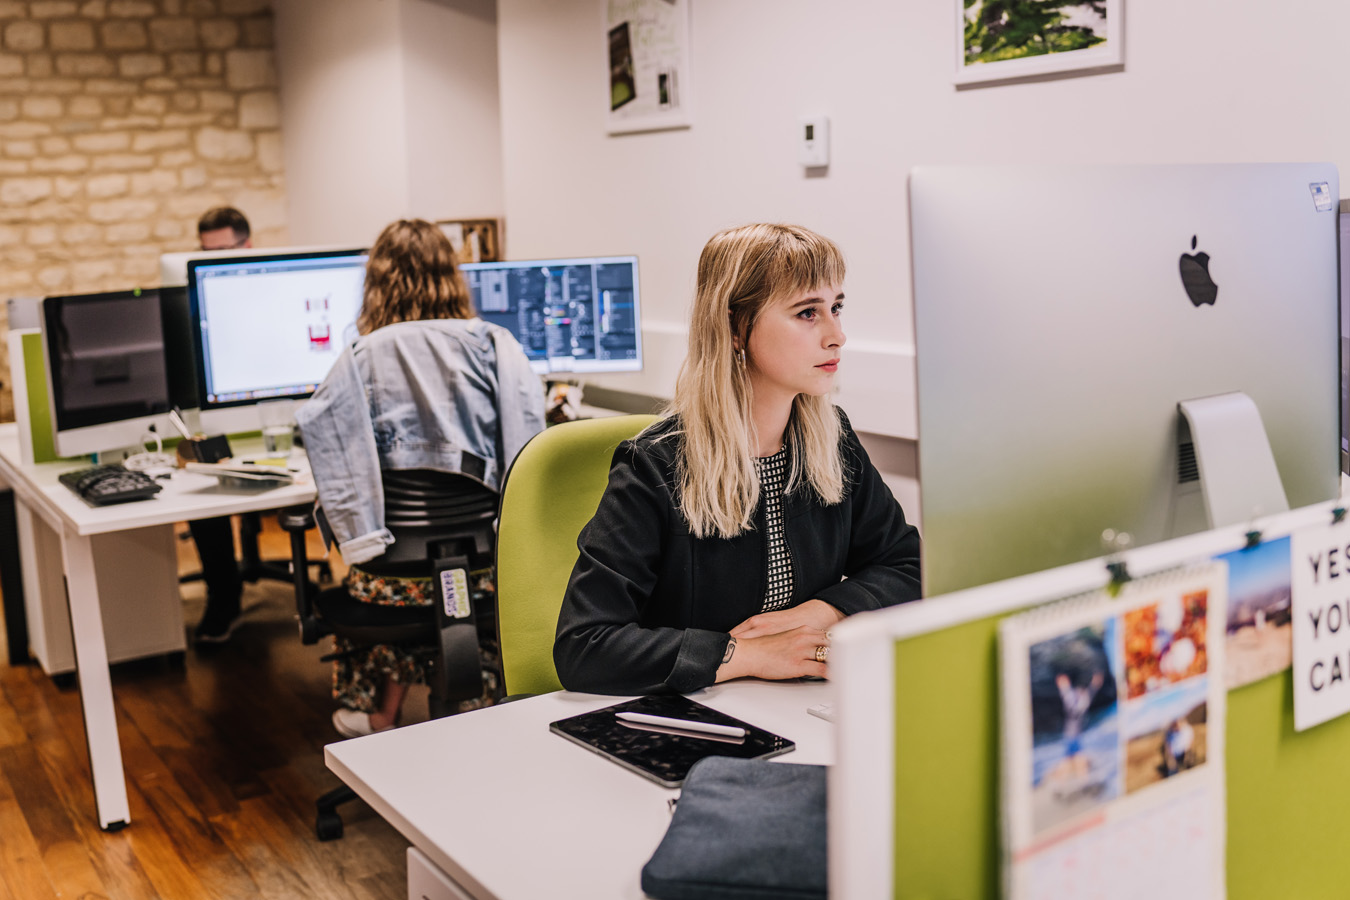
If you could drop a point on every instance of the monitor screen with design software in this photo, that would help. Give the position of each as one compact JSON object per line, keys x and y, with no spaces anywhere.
{"x":269,"y":327}
{"x":570,"y":315}
{"x":1063,"y":317}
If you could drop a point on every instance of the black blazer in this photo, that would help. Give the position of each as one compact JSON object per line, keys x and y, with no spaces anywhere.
{"x":649,"y":606}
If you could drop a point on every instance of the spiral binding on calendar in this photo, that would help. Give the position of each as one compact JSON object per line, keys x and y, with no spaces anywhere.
{"x":1127,"y":587}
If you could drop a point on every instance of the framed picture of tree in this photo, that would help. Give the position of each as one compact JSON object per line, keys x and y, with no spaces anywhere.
{"x":1000,"y":40}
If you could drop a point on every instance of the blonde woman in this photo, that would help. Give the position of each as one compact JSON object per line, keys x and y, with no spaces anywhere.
{"x":740,"y":527}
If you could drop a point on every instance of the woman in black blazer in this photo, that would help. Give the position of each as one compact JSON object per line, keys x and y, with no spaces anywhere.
{"x":739,"y":528}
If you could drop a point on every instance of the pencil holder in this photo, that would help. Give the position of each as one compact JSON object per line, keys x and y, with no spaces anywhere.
{"x":204,"y":449}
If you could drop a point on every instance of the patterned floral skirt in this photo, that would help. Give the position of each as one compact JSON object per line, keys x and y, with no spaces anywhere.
{"x":359,"y":671}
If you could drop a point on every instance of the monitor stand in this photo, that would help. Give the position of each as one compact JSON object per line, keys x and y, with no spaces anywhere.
{"x":1226,"y":470}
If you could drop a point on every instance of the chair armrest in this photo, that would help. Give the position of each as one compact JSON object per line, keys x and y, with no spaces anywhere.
{"x":296,"y":518}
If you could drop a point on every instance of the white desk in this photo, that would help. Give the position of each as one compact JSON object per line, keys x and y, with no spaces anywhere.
{"x":505,"y":809}
{"x":184,"y":497}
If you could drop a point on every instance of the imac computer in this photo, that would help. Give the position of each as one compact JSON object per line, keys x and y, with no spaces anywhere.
{"x":1147,"y":349}
{"x":173,"y":266}
{"x":577,"y":316}
{"x":109,"y":380}
{"x":1344,"y":219}
{"x":269,"y":327}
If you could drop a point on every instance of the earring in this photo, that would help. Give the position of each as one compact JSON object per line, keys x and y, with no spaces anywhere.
{"x":740,"y":357}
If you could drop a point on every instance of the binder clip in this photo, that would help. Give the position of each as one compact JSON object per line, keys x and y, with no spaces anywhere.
{"x":1338,"y":515}
{"x":1115,"y":543}
{"x":1253,"y":534}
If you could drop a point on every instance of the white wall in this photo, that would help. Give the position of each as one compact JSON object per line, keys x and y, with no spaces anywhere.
{"x":389,"y":109}
{"x":340,"y":70}
{"x":1204,"y":81}
{"x":453,"y":115}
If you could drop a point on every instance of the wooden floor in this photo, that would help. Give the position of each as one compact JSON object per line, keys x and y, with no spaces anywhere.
{"x":224,"y":758}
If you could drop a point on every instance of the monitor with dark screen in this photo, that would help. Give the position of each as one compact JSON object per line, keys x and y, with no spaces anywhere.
{"x":108,"y":377}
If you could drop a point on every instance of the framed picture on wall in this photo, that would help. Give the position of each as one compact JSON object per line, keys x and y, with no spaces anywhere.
{"x":648,"y":56}
{"x":474,"y":240}
{"x":999,"y":40}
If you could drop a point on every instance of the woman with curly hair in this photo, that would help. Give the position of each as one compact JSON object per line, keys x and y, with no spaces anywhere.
{"x":429,"y":386}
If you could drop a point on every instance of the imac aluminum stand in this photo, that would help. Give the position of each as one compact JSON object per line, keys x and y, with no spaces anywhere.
{"x":1234,"y":478}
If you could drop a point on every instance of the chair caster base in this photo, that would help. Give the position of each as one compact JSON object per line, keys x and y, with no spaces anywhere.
{"x":328,"y":826}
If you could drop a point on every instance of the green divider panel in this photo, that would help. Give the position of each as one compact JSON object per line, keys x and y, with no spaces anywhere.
{"x":1287,"y":792}
{"x":947,"y":763}
{"x":39,"y":409}
{"x":1287,"y":798}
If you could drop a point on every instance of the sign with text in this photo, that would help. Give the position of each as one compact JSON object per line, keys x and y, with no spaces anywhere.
{"x":1320,"y":564}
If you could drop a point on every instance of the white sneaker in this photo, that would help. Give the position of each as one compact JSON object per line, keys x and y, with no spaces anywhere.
{"x":352,"y":723}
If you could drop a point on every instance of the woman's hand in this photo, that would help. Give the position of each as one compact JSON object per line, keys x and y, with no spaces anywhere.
{"x":786,"y":654}
{"x":815,"y":614}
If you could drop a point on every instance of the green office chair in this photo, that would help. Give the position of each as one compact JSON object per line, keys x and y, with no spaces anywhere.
{"x":550,"y":493}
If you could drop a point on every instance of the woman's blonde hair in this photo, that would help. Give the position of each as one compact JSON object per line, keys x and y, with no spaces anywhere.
{"x":411,"y":275}
{"x":741,"y":272}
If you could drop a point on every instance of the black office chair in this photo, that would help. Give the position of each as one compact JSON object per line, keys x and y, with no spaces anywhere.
{"x":443,"y":526}
{"x":252,"y":566}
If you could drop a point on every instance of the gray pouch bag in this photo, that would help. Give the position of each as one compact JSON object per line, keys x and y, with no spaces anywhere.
{"x":744,"y":829}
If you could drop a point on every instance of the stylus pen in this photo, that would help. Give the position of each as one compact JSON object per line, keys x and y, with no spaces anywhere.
{"x":732,"y":731}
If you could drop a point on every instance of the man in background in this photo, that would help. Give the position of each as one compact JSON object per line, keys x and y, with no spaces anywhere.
{"x":221,"y":228}
{"x":224,"y":228}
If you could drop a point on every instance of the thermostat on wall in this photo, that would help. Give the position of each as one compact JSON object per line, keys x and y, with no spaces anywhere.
{"x":814,"y":135}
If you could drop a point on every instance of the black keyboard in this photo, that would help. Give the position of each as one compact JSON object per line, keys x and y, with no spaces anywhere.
{"x":101,"y":485}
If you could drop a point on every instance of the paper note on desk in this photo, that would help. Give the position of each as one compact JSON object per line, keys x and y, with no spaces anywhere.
{"x":244,"y":474}
{"x":278,"y":462}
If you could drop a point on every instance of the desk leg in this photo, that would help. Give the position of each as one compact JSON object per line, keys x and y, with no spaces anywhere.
{"x":91,"y":664}
{"x":11,"y":581}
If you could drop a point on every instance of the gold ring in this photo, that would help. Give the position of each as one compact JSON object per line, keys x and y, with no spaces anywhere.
{"x":822,"y":653}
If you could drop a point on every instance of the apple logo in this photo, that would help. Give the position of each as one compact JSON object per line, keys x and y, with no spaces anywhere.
{"x":1195,"y":277}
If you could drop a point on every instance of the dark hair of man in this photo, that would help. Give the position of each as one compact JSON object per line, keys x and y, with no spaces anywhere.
{"x":225,"y":217}
{"x":411,"y":276}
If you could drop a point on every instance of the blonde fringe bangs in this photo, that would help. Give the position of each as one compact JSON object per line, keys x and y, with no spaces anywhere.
{"x":741,"y":271}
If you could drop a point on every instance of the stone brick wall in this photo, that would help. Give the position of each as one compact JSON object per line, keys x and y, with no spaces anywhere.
{"x":121,"y":121}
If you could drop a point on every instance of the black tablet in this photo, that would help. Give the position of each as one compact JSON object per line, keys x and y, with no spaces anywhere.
{"x":663,"y":754}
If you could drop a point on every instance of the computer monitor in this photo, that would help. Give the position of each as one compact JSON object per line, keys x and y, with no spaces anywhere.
{"x":571,"y":315}
{"x":173,"y":266}
{"x":1062,"y":314}
{"x":1344,"y":219}
{"x":107,"y":375}
{"x":269,"y":327}
{"x":25,"y":313}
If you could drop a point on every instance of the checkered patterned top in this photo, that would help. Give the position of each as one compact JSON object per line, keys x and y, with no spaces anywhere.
{"x":772,"y":480}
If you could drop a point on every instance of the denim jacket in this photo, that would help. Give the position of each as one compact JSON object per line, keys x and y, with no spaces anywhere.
{"x":454,"y":395}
